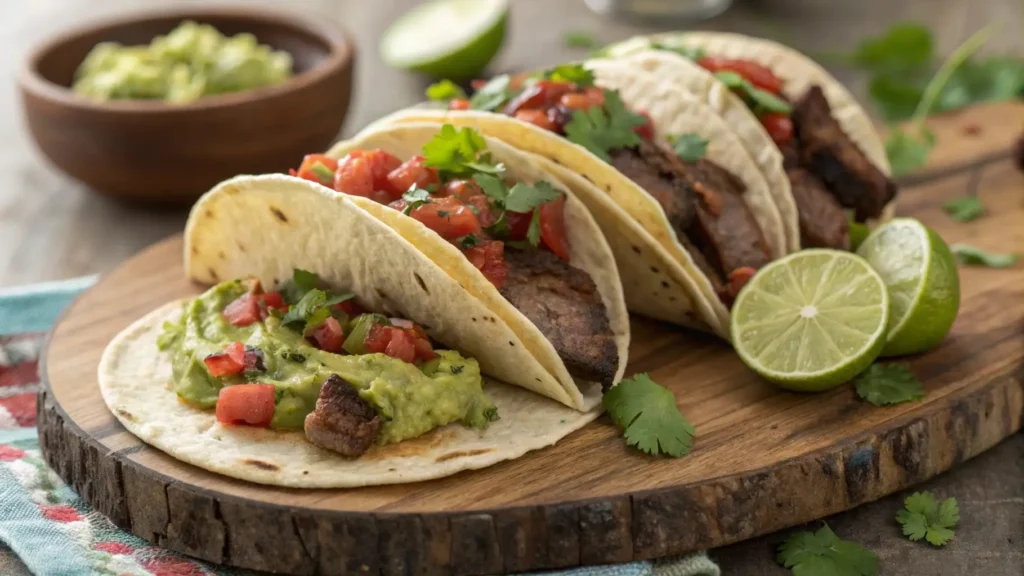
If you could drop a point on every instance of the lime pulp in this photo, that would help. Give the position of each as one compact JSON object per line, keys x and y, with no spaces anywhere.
{"x":923,"y":283}
{"x":447,"y":38}
{"x":812,"y":320}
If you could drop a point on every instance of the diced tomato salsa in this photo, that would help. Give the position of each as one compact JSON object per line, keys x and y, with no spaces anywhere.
{"x":249,"y":404}
{"x":778,"y":126}
{"x":456,"y":209}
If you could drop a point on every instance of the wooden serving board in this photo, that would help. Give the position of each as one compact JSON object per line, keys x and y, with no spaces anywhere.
{"x":763,"y":459}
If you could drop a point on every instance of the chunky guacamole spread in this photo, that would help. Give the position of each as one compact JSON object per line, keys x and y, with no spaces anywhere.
{"x":410,"y":398}
{"x":193,"y":60}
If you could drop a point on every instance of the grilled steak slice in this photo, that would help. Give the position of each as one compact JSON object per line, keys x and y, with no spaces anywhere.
{"x":564,"y":304}
{"x":822,"y":221}
{"x":828,"y":153}
{"x":724,"y":229}
{"x":1018,"y":152}
{"x":660,"y":174}
{"x":342,"y":421}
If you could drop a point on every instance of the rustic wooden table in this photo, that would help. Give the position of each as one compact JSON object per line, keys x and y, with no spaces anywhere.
{"x":52,"y":227}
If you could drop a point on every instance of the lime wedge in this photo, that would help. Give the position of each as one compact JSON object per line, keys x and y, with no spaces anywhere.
{"x":812,"y":320}
{"x":924,"y":286}
{"x":446,"y":38}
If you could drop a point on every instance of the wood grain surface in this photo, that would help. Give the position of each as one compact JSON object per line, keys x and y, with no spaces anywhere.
{"x":763,"y":459}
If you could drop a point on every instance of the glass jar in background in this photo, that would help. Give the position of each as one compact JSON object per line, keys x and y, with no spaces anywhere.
{"x":659,"y":10}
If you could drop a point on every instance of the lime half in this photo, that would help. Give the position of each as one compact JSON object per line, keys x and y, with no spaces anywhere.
{"x":812,"y":320}
{"x":447,"y":38}
{"x":923,"y":282}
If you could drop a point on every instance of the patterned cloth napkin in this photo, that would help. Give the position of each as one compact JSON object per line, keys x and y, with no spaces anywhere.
{"x":54,"y":532}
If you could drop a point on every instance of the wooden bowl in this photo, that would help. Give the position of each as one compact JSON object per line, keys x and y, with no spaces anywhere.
{"x":155,"y":152}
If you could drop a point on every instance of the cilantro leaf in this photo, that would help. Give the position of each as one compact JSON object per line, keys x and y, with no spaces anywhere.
{"x":468,"y":241}
{"x":574,"y":73}
{"x":523,"y":197}
{"x":415,"y":197}
{"x":499,"y":229}
{"x":905,"y":46}
{"x":311,"y":309}
{"x":444,"y":91}
{"x":907,"y":152}
{"x":971,"y":256}
{"x":649,"y":415}
{"x":492,"y":95}
{"x":964,"y":209}
{"x":603,"y":128}
{"x":493,"y":187}
{"x":924,"y":517}
{"x":579,"y":39}
{"x":458,"y":152}
{"x":889,"y":384}
{"x":300,"y":283}
{"x":759,"y":100}
{"x":688,"y":52}
{"x":690,"y":147}
{"x":822,"y":553}
{"x":533,"y":232}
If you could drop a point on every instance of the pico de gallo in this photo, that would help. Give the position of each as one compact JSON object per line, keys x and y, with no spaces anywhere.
{"x":457,"y":190}
{"x":259,"y":358}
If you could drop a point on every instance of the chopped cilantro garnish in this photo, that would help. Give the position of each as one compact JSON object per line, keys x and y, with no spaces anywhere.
{"x":415,"y":197}
{"x":924,"y":517}
{"x":971,"y":256}
{"x":964,"y":209}
{"x":888,"y":384}
{"x":574,"y":73}
{"x":467,"y":241}
{"x":443,"y":213}
{"x":301,"y":282}
{"x":688,"y":52}
{"x":533,"y":232}
{"x":523,"y":197}
{"x":603,"y":128}
{"x":760,"y":101}
{"x":444,"y":91}
{"x":308,"y":308}
{"x":457,"y":369}
{"x":649,"y":415}
{"x":492,"y":95}
{"x":822,"y":553}
{"x":499,"y":229}
{"x":493,"y":187}
{"x":690,"y":147}
{"x":907,"y":151}
{"x":459,"y":153}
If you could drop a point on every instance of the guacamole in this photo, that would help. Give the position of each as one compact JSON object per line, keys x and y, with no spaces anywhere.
{"x":409,"y":398}
{"x":193,"y":60}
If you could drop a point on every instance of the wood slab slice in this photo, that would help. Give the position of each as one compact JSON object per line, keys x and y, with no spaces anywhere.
{"x":763,"y":459}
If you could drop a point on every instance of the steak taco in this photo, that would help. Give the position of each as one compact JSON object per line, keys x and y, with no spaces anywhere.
{"x":777,"y":99}
{"x":683,"y":205}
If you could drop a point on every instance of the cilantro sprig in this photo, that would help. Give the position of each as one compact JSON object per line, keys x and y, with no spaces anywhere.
{"x":600,"y":129}
{"x":964,"y":209}
{"x":690,"y":146}
{"x":521,"y":198}
{"x":822,"y":553}
{"x":760,"y":101}
{"x":888,"y":384}
{"x":444,"y":91}
{"x":972,"y":256}
{"x":925,"y":517}
{"x":648,"y":414}
{"x":493,"y":94}
{"x":459,"y":153}
{"x":574,"y":73}
{"x":309,"y":304}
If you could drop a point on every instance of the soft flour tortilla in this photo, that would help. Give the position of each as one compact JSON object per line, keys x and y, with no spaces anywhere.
{"x":588,"y":249}
{"x":674,"y":277}
{"x":135,"y":380}
{"x":672,"y":115}
{"x":797,"y":71}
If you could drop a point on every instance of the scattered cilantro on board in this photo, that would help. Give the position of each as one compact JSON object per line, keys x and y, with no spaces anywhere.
{"x":648,"y":414}
{"x":822,"y":553}
{"x":886,"y":384}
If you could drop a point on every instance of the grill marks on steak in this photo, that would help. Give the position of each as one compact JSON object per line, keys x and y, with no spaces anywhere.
{"x":827,"y":152}
{"x":704,"y":204}
{"x":564,"y":304}
{"x":823,"y":223}
{"x":342,"y":421}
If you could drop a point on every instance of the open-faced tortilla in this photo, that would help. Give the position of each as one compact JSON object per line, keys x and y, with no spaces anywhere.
{"x":135,"y":382}
{"x":797,"y":71}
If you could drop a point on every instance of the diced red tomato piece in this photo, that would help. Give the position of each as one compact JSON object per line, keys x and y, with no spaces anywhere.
{"x":541,"y":96}
{"x":596,"y":94}
{"x":424,"y":350}
{"x":412,"y":172}
{"x":489,"y":258}
{"x":779,"y":127}
{"x":471,"y":194}
{"x":273,"y":299}
{"x":401,"y":346}
{"x":354,"y":176}
{"x":458,"y":104}
{"x":251,"y":404}
{"x":583,"y":100}
{"x":328,"y":336}
{"x":243,"y":311}
{"x":645,"y":130}
{"x":230,"y":361}
{"x":306,"y":168}
{"x":377,"y":339}
{"x":737,"y":279}
{"x":381,"y":164}
{"x":477,"y":83}
{"x":448,"y":217}
{"x":518,"y":224}
{"x":552,"y":227}
{"x":751,"y":71}
{"x":536,"y":117}
{"x":350,"y":307}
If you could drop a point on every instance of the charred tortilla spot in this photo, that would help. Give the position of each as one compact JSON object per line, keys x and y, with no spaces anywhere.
{"x":213,"y":274}
{"x":278,"y":214}
{"x":511,"y":343}
{"x":208,"y":213}
{"x":241,"y":249}
{"x":421,"y":282}
{"x":381,"y":293}
{"x":655,"y":270}
{"x":664,"y":284}
{"x":392,"y":469}
{"x":636,"y":249}
{"x":261,"y":464}
{"x":126,"y":414}
{"x":222,"y":255}
{"x":461,"y":454}
{"x":671,"y":298}
{"x":304,"y":472}
{"x":473,"y":318}
{"x":587,"y":178}
{"x":195,"y":251}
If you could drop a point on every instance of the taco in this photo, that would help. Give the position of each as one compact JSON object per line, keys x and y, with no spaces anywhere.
{"x":674,"y":171}
{"x":778,"y":100}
